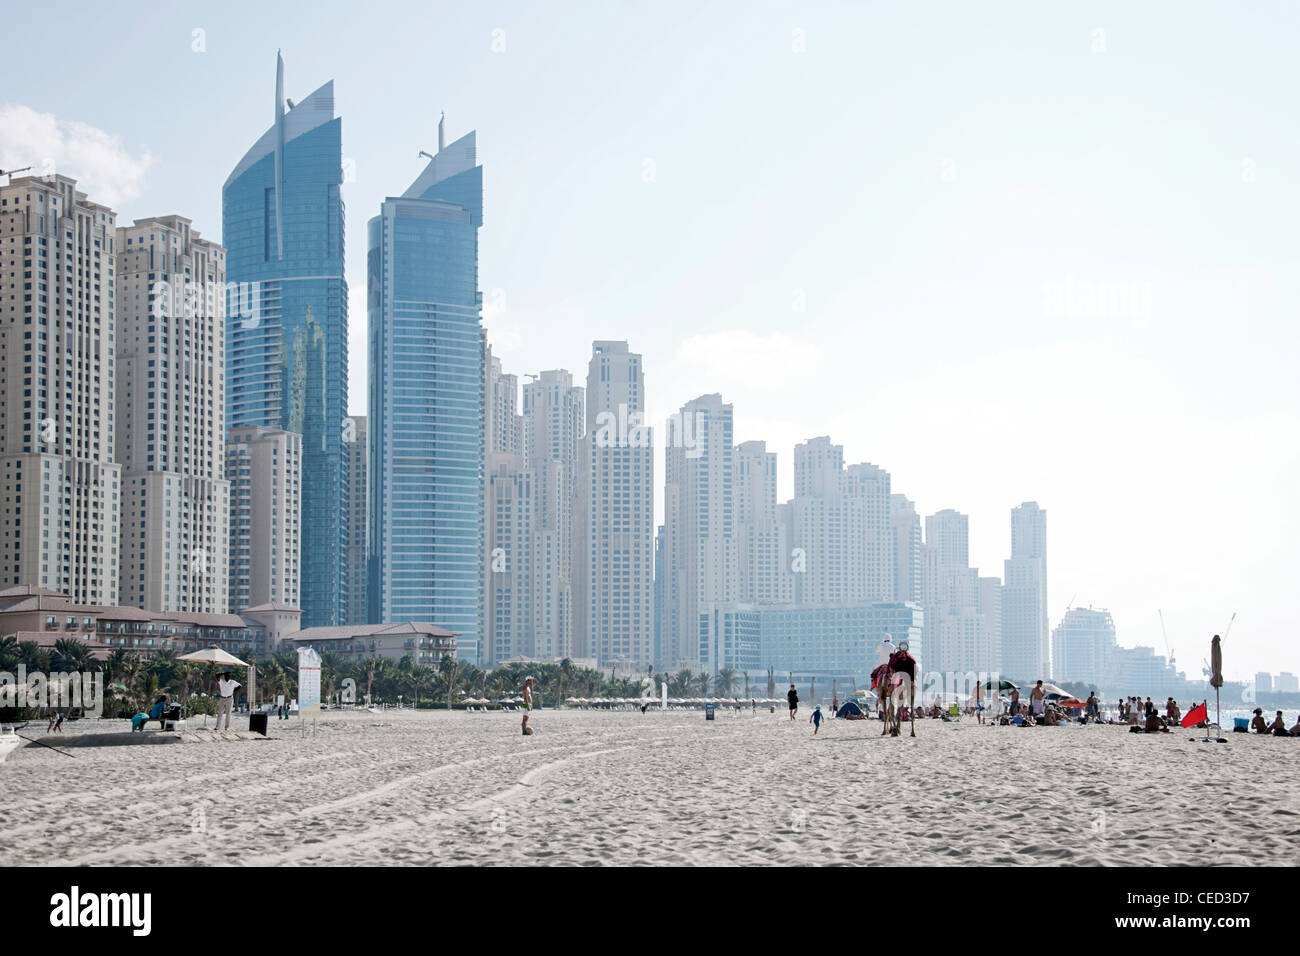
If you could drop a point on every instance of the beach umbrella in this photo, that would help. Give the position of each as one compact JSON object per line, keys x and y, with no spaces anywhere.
{"x":213,"y":655}
{"x":860,"y":693}
{"x":1072,"y":702}
{"x":1053,"y":692}
{"x":1002,"y":685}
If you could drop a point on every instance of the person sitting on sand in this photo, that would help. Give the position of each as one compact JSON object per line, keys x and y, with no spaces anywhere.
{"x":1278,"y":727}
{"x":1295,"y":731}
{"x":1155,"y":725}
{"x":157,"y":711}
{"x":1257,"y":723}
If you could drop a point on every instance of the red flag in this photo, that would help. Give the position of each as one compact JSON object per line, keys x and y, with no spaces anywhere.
{"x":1196,"y":715}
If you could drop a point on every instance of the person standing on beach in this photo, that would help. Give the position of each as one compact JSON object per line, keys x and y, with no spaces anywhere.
{"x":979,"y":702}
{"x":226,"y":697}
{"x":793,"y":698}
{"x":1015,"y":701}
{"x":528,"y":703}
{"x":816,"y":720}
{"x":1037,"y":697}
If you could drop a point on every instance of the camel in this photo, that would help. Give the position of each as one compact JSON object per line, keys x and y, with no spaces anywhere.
{"x":894,"y":681}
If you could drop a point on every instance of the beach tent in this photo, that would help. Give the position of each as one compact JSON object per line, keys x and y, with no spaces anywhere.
{"x":850,"y":710}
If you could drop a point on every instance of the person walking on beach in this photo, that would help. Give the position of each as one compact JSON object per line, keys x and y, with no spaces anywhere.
{"x":979,"y":702}
{"x":528,"y":703}
{"x":816,"y":720}
{"x":793,"y":698}
{"x":226,"y":697}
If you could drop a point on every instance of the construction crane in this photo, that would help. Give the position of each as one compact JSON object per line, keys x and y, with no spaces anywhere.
{"x":10,"y":172}
{"x":1168,"y":650}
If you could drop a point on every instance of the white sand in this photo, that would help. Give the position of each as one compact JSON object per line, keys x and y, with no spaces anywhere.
{"x":628,"y":788}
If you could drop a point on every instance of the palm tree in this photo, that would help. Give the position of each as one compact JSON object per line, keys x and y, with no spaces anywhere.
{"x":367,"y":668}
{"x":421,"y":681}
{"x":163,"y":663}
{"x":147,"y":687}
{"x":183,"y":675}
{"x":724,"y":684}
{"x":333,"y":667}
{"x":9,"y":653}
{"x":34,"y":657}
{"x":702,"y":682}
{"x":448,"y":666}
{"x":70,"y":654}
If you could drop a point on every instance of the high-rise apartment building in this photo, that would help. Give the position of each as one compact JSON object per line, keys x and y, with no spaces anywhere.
{"x":700,"y":561}
{"x":763,"y":550}
{"x":618,"y":531}
{"x":962,"y":609}
{"x":840,"y":529}
{"x":1025,"y":638}
{"x":287,"y":320}
{"x":552,"y":438}
{"x":356,"y":513}
{"x":509,"y":513}
{"x":427,"y":421}
{"x":264,"y":468}
{"x":60,"y":487}
{"x":906,"y":526}
{"x":171,"y":415}
{"x":1083,"y":646}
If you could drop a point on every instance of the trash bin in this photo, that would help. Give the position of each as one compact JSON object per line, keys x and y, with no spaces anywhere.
{"x":257,"y":723}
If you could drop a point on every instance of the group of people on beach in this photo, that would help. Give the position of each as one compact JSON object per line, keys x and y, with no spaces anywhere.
{"x":1277,"y":728}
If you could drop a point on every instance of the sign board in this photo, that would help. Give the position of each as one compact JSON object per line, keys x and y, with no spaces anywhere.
{"x":708,"y":711}
{"x":308,"y":682}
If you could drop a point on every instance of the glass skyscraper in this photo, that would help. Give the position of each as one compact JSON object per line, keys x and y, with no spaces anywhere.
{"x":287,"y":323}
{"x":427,"y":394}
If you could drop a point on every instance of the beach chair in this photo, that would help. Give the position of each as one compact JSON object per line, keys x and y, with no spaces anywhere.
{"x":954,"y":712}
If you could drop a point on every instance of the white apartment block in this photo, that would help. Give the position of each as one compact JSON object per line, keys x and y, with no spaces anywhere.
{"x":171,"y":411}
{"x":511,"y":510}
{"x":617,"y":568}
{"x":552,"y":420}
{"x":356,"y":449}
{"x":961,"y":609}
{"x":700,"y":561}
{"x":840,"y":528}
{"x":906,"y":526}
{"x":762,"y":544}
{"x":264,"y":468}
{"x":1025,"y":634}
{"x":59,"y":484}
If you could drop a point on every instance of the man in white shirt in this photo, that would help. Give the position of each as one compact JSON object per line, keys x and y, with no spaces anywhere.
{"x":226,"y":698}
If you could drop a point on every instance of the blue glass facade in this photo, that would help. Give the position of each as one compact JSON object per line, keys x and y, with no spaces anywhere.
{"x":287,"y":327}
{"x":427,"y":401}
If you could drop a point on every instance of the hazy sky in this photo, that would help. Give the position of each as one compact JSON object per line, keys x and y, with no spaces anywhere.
{"x":1007,"y":251}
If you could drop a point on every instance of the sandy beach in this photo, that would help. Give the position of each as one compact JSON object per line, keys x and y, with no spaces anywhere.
{"x":658,"y":788}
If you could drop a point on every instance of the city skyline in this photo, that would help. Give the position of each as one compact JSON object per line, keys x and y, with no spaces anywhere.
{"x":1122,"y":510}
